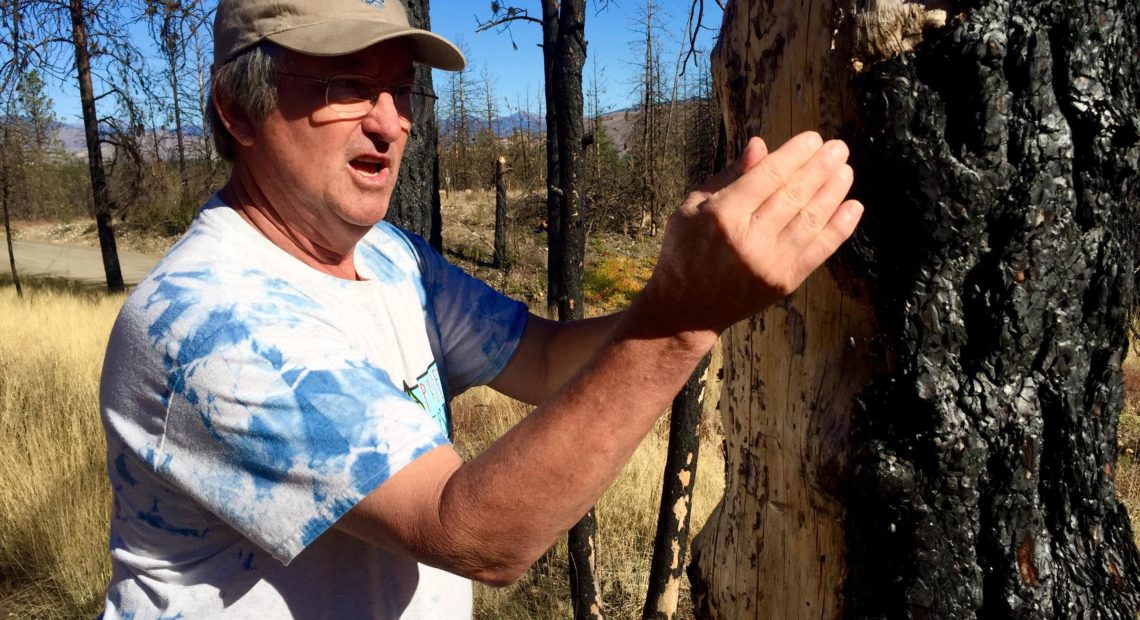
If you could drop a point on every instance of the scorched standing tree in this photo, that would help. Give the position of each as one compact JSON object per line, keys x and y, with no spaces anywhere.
{"x":928,"y":427}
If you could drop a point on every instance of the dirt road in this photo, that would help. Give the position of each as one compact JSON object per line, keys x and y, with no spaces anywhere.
{"x":81,"y":264}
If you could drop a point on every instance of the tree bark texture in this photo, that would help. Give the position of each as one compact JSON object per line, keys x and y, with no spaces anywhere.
{"x":6,"y":199}
{"x":554,"y":233}
{"x":569,"y":59}
{"x":102,"y":198}
{"x":415,"y":204}
{"x":501,"y":259}
{"x":671,"y":542}
{"x":928,"y":427}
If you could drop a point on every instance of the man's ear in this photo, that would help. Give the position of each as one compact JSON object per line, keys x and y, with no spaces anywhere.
{"x":236,"y":121}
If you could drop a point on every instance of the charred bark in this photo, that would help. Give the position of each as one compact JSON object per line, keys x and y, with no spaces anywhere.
{"x":984,"y":462}
{"x":671,"y":542}
{"x":554,"y":232}
{"x":569,"y":59}
{"x":415,"y":201}
{"x":967,"y":450}
{"x":100,"y":194}
{"x":6,"y":198}
{"x":501,"y":259}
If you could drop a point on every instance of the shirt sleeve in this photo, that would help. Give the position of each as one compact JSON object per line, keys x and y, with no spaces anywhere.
{"x":479,"y":327}
{"x":279,"y":427}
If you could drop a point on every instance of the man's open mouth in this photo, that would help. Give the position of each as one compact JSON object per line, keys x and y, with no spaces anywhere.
{"x":367,"y":167}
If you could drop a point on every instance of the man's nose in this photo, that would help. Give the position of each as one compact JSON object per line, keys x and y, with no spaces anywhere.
{"x":384,"y":120}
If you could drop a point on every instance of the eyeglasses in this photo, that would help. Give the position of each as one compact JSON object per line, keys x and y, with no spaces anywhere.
{"x":354,"y":96}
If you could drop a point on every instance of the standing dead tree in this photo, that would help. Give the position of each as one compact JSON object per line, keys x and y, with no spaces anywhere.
{"x":564,"y":55}
{"x":70,"y":38}
{"x":927,"y":428}
{"x":415,"y":202}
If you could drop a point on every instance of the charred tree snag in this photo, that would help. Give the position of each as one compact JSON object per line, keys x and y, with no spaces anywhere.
{"x":501,"y":260}
{"x":415,"y":200}
{"x":99,"y":190}
{"x":569,"y":59}
{"x":671,"y":541}
{"x":927,"y":428}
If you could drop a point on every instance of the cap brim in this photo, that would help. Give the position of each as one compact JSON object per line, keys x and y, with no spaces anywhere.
{"x":340,"y":37}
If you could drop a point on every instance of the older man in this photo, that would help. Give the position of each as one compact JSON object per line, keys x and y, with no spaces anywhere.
{"x":276,"y":392}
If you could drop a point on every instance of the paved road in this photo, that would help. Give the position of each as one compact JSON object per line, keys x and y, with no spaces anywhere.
{"x":84,"y":265}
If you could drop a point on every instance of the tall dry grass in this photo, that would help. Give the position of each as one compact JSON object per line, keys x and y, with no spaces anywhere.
{"x":54,"y":495}
{"x":627,"y":520}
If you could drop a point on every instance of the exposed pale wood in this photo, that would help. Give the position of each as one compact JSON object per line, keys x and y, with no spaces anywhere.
{"x":773,"y":548}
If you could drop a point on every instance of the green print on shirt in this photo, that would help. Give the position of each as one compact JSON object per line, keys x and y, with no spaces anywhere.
{"x":428,"y":394}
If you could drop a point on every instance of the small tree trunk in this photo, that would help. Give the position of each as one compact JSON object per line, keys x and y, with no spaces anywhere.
{"x":501,"y":259}
{"x":571,"y":56}
{"x":7,"y":200}
{"x":415,"y":204}
{"x":671,"y":542}
{"x":100,"y":195}
{"x":927,"y":428}
{"x":555,"y":288}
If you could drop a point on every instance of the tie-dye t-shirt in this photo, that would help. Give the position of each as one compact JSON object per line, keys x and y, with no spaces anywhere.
{"x":250,"y":401}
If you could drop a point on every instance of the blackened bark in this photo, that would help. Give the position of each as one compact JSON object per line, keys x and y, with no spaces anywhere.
{"x":6,"y":197}
{"x":415,"y":201}
{"x":671,"y":542}
{"x":102,"y":198}
{"x":554,"y":231}
{"x":501,"y":259}
{"x":570,"y":57}
{"x":1000,"y":163}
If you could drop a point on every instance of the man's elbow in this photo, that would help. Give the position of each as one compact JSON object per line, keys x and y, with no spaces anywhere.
{"x":499,"y":577}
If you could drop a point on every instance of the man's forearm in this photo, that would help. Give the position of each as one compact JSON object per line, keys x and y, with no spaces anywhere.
{"x":550,"y":354}
{"x":543,"y":475}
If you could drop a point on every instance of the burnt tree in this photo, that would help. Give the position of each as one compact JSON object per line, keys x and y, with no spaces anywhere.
{"x":927,"y":428}
{"x":415,"y":200}
{"x":103,"y":205}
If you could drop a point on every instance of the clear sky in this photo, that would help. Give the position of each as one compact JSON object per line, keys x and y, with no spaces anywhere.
{"x":516,"y":75}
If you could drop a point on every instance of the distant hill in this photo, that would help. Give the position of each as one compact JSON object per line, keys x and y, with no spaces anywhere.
{"x":618,"y":125}
{"x":71,"y":135}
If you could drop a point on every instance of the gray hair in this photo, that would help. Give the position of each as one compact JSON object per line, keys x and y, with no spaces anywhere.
{"x":247,"y":80}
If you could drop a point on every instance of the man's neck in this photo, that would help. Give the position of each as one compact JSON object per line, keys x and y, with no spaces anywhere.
{"x":254,"y":207}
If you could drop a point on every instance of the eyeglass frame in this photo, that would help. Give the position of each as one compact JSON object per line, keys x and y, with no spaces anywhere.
{"x":426,"y":92}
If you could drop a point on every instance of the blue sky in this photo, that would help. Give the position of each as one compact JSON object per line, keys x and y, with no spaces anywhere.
{"x":516,"y":75}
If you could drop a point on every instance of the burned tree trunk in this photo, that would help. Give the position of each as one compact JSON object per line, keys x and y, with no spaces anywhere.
{"x":101,"y":195}
{"x":570,"y":57}
{"x":501,"y":260}
{"x":927,"y":428}
{"x":671,"y":542}
{"x":415,"y":201}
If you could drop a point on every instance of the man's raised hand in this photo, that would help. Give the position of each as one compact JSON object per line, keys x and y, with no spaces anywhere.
{"x":752,"y":234}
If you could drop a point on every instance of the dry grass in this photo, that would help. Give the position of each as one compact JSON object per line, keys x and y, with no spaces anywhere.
{"x":627,"y":518}
{"x":54,"y":496}
{"x":1128,"y":439}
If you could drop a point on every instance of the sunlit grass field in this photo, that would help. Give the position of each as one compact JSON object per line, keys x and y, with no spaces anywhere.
{"x":55,"y":499}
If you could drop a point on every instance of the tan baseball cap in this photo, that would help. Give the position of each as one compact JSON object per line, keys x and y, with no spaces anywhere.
{"x":325,"y":28}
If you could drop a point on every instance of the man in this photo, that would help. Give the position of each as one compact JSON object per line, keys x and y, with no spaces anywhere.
{"x":275,"y":392}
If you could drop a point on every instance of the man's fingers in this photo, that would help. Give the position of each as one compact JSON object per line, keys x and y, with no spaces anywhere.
{"x":758,"y":184}
{"x":754,"y":152}
{"x":794,"y":197}
{"x":819,"y":210}
{"x":837,"y":230}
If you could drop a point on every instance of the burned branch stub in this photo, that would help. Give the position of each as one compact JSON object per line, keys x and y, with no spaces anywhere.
{"x":927,"y":428}
{"x":501,"y":259}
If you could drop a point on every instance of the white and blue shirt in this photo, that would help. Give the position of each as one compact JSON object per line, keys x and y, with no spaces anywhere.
{"x":250,"y":401}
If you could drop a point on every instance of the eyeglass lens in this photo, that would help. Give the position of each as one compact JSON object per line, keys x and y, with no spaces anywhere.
{"x":355,"y":96}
